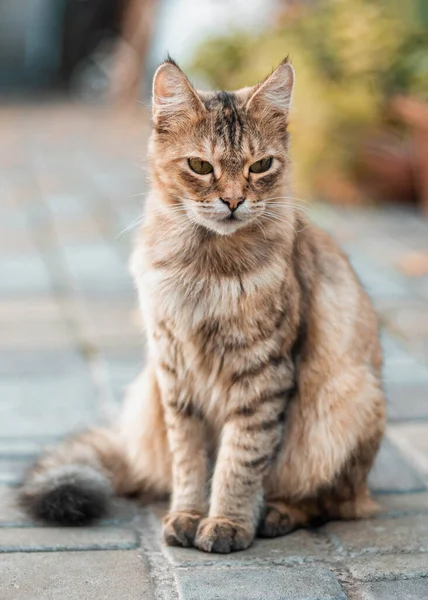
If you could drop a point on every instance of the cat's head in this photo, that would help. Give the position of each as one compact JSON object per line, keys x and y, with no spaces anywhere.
{"x":221,"y":156}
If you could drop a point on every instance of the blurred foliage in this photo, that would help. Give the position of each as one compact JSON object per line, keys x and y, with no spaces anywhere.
{"x":350,"y":57}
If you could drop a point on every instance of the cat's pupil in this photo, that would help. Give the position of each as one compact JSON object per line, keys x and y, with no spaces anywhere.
{"x":261,"y":165}
{"x":199,"y":166}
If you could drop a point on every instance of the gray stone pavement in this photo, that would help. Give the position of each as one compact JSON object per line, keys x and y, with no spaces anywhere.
{"x":70,"y":181}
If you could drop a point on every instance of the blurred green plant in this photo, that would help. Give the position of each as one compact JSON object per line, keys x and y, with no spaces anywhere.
{"x":351,"y":57}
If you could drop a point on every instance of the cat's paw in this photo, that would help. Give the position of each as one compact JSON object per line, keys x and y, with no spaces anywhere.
{"x":179,"y":528}
{"x":275,"y":523}
{"x":217,"y":534}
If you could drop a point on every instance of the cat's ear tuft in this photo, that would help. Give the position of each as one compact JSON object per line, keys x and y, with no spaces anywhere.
{"x":276,"y":90}
{"x":173,"y":93}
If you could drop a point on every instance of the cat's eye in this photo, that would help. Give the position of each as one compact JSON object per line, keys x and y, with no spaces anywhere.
{"x":199,"y":166}
{"x":261,"y":166}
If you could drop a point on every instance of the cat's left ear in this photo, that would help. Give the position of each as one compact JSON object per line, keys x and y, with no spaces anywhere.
{"x":174,"y":97}
{"x":275,"y":92}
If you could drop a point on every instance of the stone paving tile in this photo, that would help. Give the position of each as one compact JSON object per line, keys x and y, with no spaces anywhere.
{"x":96,"y":268}
{"x":409,"y":320}
{"x":382,"y":251}
{"x":77,"y":231}
{"x":65,"y":206}
{"x":419,"y":286}
{"x":405,"y":382}
{"x":405,"y":371}
{"x":45,"y":362}
{"x":114,"y":575}
{"x":13,"y":243}
{"x":13,"y":219}
{"x":385,"y":305}
{"x":396,"y":590}
{"x":398,"y":504}
{"x":37,"y":309}
{"x":24,"y":447}
{"x":378,"y":281}
{"x":46,"y":406}
{"x":114,"y":319}
{"x":133,"y":346}
{"x":49,"y":539}
{"x":400,"y":367}
{"x":24,"y":274}
{"x":106,"y":290}
{"x":406,"y":402}
{"x":123,"y":368}
{"x":412,"y":440}
{"x":389,"y":566}
{"x":401,"y":534}
{"x":419,"y":349}
{"x":393,"y":473}
{"x":309,"y":583}
{"x":295,"y":548}
{"x":124,"y":511}
{"x":12,"y":470}
{"x":36,"y":335}
{"x":9,"y":509}
{"x":33,"y":320}
{"x":398,"y":223}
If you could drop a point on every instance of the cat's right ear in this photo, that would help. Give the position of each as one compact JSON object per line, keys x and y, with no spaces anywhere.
{"x":174,"y":95}
{"x":274,"y":94}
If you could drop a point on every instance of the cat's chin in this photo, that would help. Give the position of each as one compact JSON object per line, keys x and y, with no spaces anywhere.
{"x":222,"y":227}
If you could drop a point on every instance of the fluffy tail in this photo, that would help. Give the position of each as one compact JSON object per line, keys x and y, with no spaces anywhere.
{"x":74,"y":483}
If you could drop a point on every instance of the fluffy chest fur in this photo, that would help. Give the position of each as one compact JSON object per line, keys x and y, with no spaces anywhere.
{"x":213,"y":328}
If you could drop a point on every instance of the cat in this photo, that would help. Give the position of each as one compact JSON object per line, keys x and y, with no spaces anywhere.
{"x":260,"y":409}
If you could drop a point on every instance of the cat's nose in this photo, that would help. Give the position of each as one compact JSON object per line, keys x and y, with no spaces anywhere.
{"x":233,"y":203}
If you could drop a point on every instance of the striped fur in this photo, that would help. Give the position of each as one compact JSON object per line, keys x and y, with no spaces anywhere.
{"x":264,"y":360}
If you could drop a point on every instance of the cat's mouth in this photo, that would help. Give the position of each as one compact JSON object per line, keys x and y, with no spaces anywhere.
{"x":228,"y":225}
{"x":220,"y":223}
{"x":231,"y":217}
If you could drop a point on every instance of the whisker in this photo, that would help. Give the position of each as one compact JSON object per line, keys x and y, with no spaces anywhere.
{"x":282,"y":203}
{"x":300,"y":209}
{"x":257,"y":222}
{"x":274,"y":222}
{"x":288,"y":198}
{"x":166,"y":209}
{"x":274,"y":216}
{"x":140,"y":194}
{"x":132,"y":225}
{"x":141,"y":218}
{"x":178,"y":227}
{"x":173,"y":225}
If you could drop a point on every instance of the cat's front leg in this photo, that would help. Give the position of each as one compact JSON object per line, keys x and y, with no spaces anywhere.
{"x":190,"y":466}
{"x":250,"y":440}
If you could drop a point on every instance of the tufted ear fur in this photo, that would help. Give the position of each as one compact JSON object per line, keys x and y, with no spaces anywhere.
{"x":174,"y":98}
{"x":274,"y":94}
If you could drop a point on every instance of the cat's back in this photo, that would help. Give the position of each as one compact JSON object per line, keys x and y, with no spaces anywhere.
{"x":339,"y":312}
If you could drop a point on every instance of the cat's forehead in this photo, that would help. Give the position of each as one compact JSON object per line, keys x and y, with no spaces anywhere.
{"x":227,"y":124}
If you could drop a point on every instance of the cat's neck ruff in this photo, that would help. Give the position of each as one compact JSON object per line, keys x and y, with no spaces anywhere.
{"x":171,"y":240}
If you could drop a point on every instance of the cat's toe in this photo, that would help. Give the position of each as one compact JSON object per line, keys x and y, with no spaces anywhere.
{"x":275,"y":523}
{"x":220,"y":535}
{"x":179,"y":528}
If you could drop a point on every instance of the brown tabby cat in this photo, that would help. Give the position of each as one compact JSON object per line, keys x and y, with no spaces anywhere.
{"x":264,"y":363}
